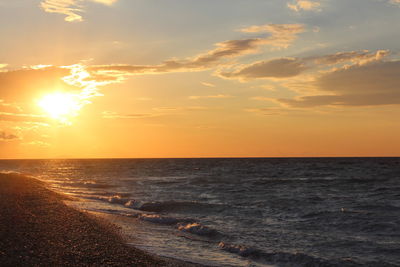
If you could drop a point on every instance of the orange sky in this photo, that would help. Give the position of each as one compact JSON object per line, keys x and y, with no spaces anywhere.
{"x":119,"y":78}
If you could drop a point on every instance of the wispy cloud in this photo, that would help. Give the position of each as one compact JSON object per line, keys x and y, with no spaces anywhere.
{"x":357,"y":57}
{"x":208,"y":84}
{"x":262,"y":98}
{"x":37,"y":143}
{"x":115,"y":115}
{"x":281,"y":35}
{"x":72,"y":9}
{"x":21,"y":117}
{"x":372,"y":84}
{"x":299,"y":5}
{"x":155,"y":113}
{"x":276,"y":111}
{"x":105,"y":2}
{"x":275,"y":68}
{"x":8,"y":137}
{"x":187,"y":108}
{"x":25,"y":84}
{"x":281,"y":68}
{"x":396,"y":2}
{"x":20,"y":89}
{"x":352,"y":78}
{"x":278,"y":35}
{"x":210,"y":96}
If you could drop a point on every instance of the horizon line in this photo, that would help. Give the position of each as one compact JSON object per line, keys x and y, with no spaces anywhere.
{"x":222,"y":157}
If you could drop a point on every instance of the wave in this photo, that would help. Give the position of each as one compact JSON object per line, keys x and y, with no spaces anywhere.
{"x":86,"y":184}
{"x":154,"y":218}
{"x":117,"y":200}
{"x":198,"y":229}
{"x":284,"y":258}
{"x":169,"y":206}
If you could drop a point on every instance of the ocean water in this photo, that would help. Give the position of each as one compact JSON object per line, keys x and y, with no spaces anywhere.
{"x":241,"y":212}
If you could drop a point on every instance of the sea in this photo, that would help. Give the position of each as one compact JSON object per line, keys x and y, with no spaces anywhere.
{"x":240,"y":211}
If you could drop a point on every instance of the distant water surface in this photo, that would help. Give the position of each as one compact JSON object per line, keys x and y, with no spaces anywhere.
{"x":242,"y":212}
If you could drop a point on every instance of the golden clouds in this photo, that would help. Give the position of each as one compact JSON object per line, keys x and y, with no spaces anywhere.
{"x":352,"y":78}
{"x":279,"y":35}
{"x":280,"y":68}
{"x":7,"y":137}
{"x":275,"y":68}
{"x":105,"y":2}
{"x":307,"y":5}
{"x":219,"y":96}
{"x":372,"y":84}
{"x":22,"y":117}
{"x":354,"y":57}
{"x":21,"y":91}
{"x":115,"y":115}
{"x":72,"y":9}
{"x":276,"y":30}
{"x":25,"y":84}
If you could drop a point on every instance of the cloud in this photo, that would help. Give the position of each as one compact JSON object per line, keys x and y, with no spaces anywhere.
{"x":210,"y":96}
{"x":158,"y":112}
{"x":115,"y":115}
{"x":281,"y":68}
{"x":275,"y":29}
{"x":280,"y":35}
{"x":7,"y":107}
{"x":21,"y":90}
{"x":7,"y":137}
{"x":307,"y":5}
{"x":208,"y":84}
{"x":72,"y":9}
{"x":372,"y":84}
{"x":37,"y":143}
{"x":262,"y":98}
{"x":105,"y":2}
{"x":25,"y":84}
{"x":21,"y":117}
{"x":276,"y":111}
{"x":357,"y":57}
{"x":275,"y":68}
{"x":172,"y":109}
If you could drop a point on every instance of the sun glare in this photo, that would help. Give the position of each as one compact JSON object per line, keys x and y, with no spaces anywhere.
{"x":60,"y":105}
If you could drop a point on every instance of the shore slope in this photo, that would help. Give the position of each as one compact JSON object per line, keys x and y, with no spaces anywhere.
{"x":38,"y":229}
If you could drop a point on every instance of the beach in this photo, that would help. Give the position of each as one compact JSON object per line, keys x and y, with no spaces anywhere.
{"x":214,"y":212}
{"x":38,"y":229}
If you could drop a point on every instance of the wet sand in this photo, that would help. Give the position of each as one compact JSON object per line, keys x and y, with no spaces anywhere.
{"x":38,"y":229}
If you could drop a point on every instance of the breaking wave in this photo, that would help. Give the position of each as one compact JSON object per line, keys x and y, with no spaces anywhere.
{"x":197,"y":229}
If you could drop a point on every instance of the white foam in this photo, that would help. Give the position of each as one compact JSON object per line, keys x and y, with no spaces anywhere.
{"x":196,"y":228}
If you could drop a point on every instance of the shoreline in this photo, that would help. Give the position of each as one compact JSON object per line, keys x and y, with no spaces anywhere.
{"x":38,"y":229}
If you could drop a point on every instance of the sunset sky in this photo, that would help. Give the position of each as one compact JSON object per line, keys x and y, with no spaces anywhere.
{"x":199,"y":78}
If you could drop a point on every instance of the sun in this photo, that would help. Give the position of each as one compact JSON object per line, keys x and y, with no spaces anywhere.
{"x":60,"y":105}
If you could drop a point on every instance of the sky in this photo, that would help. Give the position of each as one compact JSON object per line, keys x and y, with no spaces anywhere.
{"x":190,"y":78}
